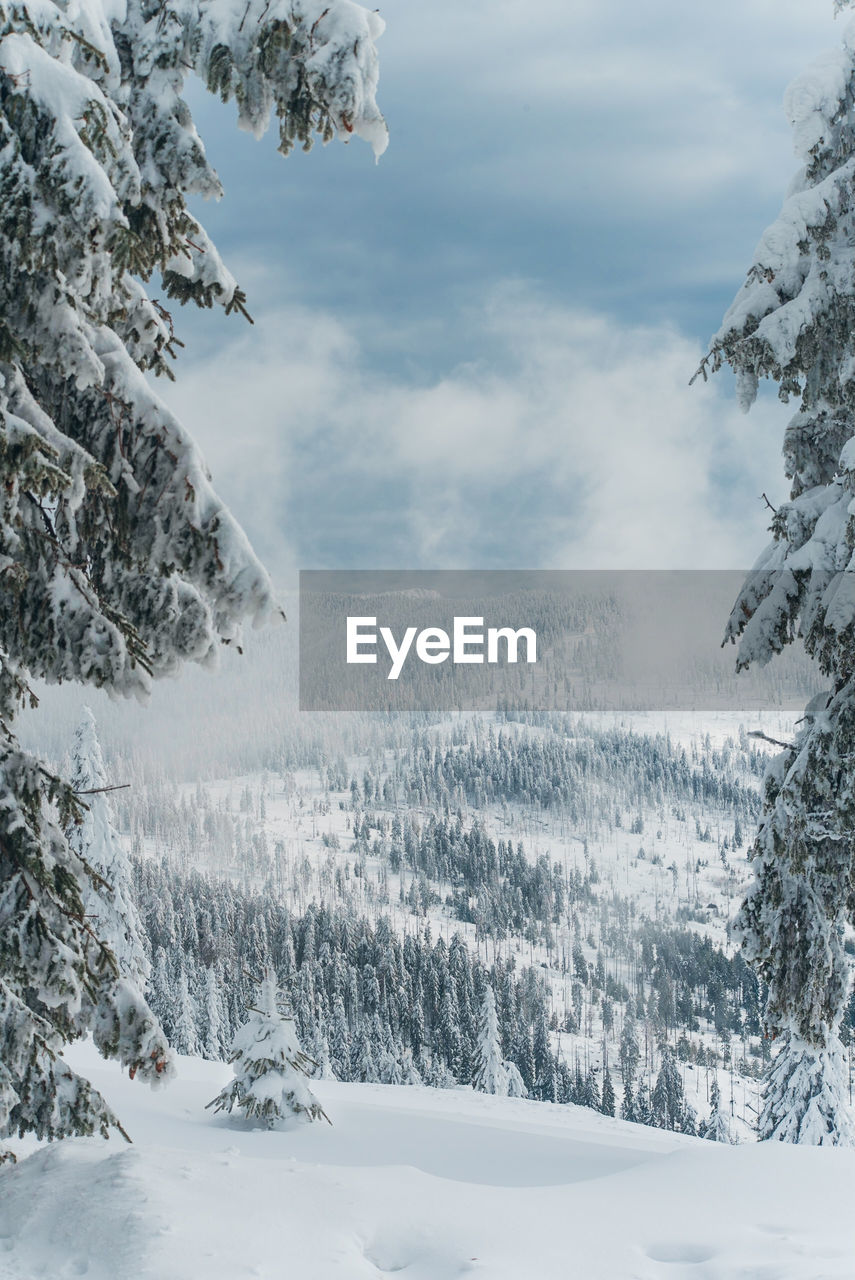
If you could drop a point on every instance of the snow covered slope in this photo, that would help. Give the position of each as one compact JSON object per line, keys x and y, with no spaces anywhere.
{"x":416,"y":1183}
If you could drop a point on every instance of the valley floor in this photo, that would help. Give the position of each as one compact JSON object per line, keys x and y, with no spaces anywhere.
{"x":416,"y":1183}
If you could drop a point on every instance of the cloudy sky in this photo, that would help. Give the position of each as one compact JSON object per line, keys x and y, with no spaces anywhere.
{"x":476,"y":354}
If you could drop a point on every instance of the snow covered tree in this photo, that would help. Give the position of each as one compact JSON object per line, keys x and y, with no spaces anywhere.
{"x":489,"y":1074}
{"x":325,"y":1067}
{"x":108,"y":901}
{"x":449,"y":1031}
{"x":523,"y":1055}
{"x":717,"y":1128}
{"x":57,"y":979}
{"x":514,"y":1083}
{"x":793,"y":321}
{"x":643,"y":1108}
{"x":667,"y":1099}
{"x":271,"y":1070}
{"x":607,"y":1101}
{"x":212,"y":1021}
{"x":591,"y":1091}
{"x":118,"y":561}
{"x":544,"y":1061}
{"x":161,"y":996}
{"x":185,"y":1036}
{"x":388,"y":1068}
{"x":629,"y":1051}
{"x":363,"y":1068}
{"x":340,"y":1041}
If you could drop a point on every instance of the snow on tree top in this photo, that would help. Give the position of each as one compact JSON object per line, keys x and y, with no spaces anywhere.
{"x":813,"y":97}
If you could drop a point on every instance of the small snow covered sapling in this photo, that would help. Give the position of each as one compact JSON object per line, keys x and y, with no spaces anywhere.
{"x":271,"y":1069}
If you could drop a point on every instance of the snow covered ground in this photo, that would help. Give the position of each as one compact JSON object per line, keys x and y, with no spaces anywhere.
{"x":416,"y":1183}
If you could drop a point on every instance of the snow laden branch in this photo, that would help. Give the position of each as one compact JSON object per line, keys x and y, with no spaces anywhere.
{"x":120,"y":559}
{"x":793,"y":321}
{"x":58,"y":979}
{"x":118,"y":562}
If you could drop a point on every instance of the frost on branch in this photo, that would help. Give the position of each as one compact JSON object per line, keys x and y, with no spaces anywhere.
{"x":118,"y":561}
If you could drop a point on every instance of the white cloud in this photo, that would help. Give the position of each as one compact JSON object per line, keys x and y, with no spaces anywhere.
{"x":667,"y":100}
{"x":573,"y":441}
{"x":624,"y":155}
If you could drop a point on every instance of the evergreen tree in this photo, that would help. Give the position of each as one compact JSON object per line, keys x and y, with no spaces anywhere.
{"x":108,"y":900}
{"x":449,"y":1032}
{"x":515,"y":1085}
{"x":212,"y":1022}
{"x":524,"y":1056}
{"x":794,"y":321}
{"x":629,"y":1052}
{"x":410,"y":1073}
{"x":489,"y":1075}
{"x":643,"y":1108}
{"x":580,"y":964}
{"x":667,"y":1099}
{"x":271,"y":1070}
{"x":363,"y":1068}
{"x":689,"y":1119}
{"x":388,"y":1068}
{"x":162,"y":993}
{"x":340,"y":1041}
{"x":717,"y":1128}
{"x":119,"y":562}
{"x":185,"y":1017}
{"x":607,"y":1101}
{"x":578,"y":1088}
{"x":542,"y":1057}
{"x":591,"y":1094}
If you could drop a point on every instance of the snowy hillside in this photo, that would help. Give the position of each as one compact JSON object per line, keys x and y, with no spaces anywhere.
{"x":592,"y":865}
{"x":584,"y":870}
{"x":419,"y":1183}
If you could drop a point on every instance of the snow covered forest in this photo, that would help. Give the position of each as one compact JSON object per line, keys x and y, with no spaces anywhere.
{"x":583,"y":869}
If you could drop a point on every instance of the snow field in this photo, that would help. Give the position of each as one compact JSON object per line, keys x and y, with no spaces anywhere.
{"x":414,"y":1183}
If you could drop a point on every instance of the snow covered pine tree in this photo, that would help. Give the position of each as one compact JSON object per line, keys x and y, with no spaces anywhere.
{"x":271,"y":1070}
{"x":717,"y":1128}
{"x":118,"y":563}
{"x":489,"y":1074}
{"x":794,"y":321}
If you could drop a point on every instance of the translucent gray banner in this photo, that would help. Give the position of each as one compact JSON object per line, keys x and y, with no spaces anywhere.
{"x":460,"y":640}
